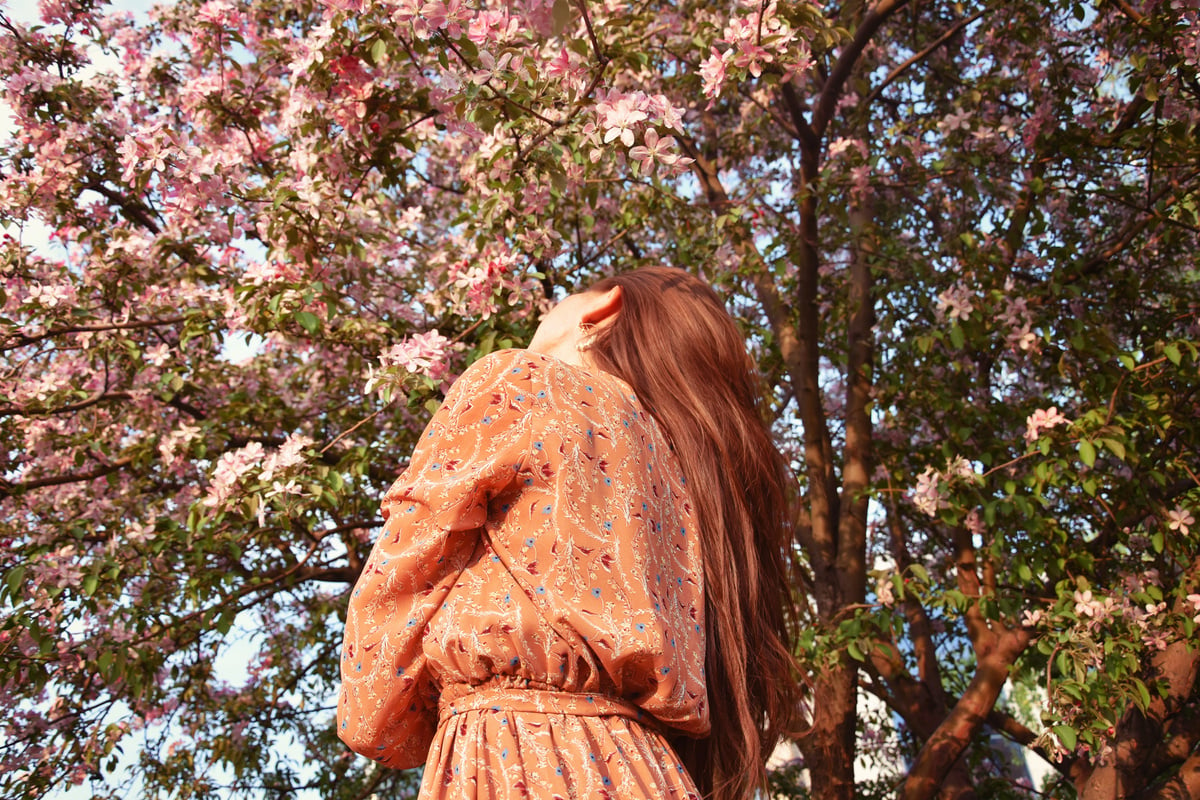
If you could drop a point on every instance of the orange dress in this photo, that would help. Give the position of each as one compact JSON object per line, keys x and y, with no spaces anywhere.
{"x":531,"y":619}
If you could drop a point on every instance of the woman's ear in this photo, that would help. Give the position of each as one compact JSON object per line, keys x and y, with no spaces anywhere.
{"x":603,"y":309}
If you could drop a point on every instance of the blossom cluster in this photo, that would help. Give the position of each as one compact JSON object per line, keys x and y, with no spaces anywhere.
{"x":1017,"y":317}
{"x":751,"y":43}
{"x":620,"y":116}
{"x":236,"y":468}
{"x":955,"y":303}
{"x":1043,"y":419}
{"x":420,"y":354}
{"x":933,"y":486}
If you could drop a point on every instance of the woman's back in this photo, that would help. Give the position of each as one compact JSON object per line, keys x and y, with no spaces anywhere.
{"x":540,"y":573}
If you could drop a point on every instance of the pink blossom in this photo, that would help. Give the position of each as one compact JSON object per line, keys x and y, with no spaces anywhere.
{"x":712,"y":70}
{"x":842,"y":145}
{"x":1042,"y":419}
{"x":885,"y":592}
{"x":958,"y":120}
{"x":959,"y":467}
{"x":50,"y":296}
{"x":159,"y":354}
{"x":1180,"y":520}
{"x":1030,"y":619}
{"x":1142,"y":617}
{"x":665,"y":113}
{"x":931,"y":490}
{"x":955,"y":302}
{"x":423,"y":353}
{"x":1155,"y":640}
{"x":617,"y":118}
{"x":654,"y":150}
{"x":289,"y":454}
{"x":928,"y":496}
{"x":493,"y":26}
{"x":447,"y":14}
{"x":1019,"y":320}
{"x":219,"y":12}
{"x":230,"y":469}
{"x":1194,"y":599}
{"x":974,"y":523}
{"x":1088,"y":606}
{"x":263,"y":272}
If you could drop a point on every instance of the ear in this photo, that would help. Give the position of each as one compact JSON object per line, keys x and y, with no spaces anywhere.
{"x":604,"y":308}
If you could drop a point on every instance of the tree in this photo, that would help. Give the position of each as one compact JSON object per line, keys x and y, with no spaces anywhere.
{"x":961,"y":238}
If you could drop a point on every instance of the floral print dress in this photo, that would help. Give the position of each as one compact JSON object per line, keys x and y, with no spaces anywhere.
{"x":530,"y":622}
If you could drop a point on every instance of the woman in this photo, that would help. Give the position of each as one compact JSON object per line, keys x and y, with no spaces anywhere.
{"x":582,"y":582}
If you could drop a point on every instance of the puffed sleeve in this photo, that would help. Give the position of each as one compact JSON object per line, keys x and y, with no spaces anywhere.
{"x":472,"y":449}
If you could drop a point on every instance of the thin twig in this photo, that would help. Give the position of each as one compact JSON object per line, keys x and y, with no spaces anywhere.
{"x":935,"y":44}
{"x":587,"y":21}
{"x":357,"y":425}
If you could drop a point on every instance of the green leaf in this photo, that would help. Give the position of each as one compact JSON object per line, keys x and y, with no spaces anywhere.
{"x":485,"y":119}
{"x":308,"y":320}
{"x":225,"y":621}
{"x":89,"y":584}
{"x":1087,"y":452}
{"x":856,"y":652}
{"x":378,"y":51}
{"x":14,"y":578}
{"x":488,"y":343}
{"x":1143,"y":693}
{"x":561,"y":15}
{"x":1066,"y":734}
{"x":957,"y":337}
{"x":282,"y":196}
{"x":1172,"y":352}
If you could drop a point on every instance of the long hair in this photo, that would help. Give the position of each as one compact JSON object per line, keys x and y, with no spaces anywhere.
{"x":679,"y":349}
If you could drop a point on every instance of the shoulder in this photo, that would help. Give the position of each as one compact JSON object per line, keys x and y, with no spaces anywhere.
{"x":522,"y":366}
{"x":503,"y":367}
{"x":547,"y":382}
{"x":506,"y":377}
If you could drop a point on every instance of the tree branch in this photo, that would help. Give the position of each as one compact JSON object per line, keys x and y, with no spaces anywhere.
{"x":15,"y":339}
{"x":846,"y":61}
{"x":943,"y":750}
{"x":921,"y":56}
{"x":136,"y":212}
{"x":8,"y":489}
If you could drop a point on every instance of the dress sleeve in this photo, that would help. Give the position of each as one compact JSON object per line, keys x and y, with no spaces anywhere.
{"x":471,"y":450}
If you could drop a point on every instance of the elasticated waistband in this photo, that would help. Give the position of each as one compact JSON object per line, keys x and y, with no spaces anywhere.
{"x":531,"y":698}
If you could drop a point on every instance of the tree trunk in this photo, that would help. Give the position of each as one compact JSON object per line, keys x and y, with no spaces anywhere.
{"x":829,"y":748}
